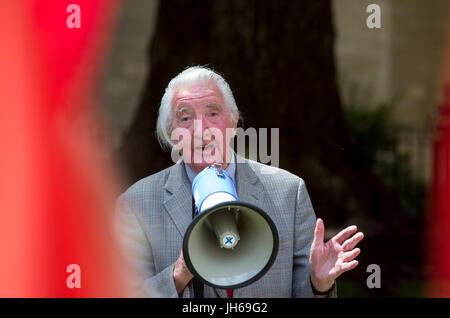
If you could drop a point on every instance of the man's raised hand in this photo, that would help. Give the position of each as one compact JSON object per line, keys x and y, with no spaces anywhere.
{"x":329,"y":260}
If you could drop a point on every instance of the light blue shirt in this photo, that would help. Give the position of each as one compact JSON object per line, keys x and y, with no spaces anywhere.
{"x":231,"y":169}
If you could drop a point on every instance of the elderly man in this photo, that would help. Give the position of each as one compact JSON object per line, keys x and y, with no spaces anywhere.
{"x":198,"y":117}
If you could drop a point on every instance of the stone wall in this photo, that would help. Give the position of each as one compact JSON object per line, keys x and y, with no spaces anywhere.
{"x":400,"y":62}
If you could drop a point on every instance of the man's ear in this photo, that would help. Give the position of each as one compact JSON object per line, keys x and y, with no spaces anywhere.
{"x":233,"y":132}
{"x":235,"y":120}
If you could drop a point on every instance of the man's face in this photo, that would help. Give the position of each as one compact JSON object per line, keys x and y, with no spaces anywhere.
{"x":200,"y":110}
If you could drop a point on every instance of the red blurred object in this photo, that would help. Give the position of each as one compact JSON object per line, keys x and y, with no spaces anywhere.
{"x":56,"y":188}
{"x":439,"y":222}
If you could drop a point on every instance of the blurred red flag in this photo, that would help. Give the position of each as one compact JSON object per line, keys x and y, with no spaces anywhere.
{"x":439,"y":218}
{"x":438,"y":225}
{"x":56,"y":186}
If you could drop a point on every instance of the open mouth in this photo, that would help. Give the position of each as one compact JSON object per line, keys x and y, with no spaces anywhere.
{"x":204,"y":148}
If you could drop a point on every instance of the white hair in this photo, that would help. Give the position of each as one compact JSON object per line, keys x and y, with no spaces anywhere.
{"x":190,"y":76}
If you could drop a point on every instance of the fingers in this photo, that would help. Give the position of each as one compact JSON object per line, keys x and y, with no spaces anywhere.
{"x":181,"y":267}
{"x":319,"y":233}
{"x":347,"y":261}
{"x":348,"y":256}
{"x":344,"y":234}
{"x":352,"y":242}
{"x":349,"y":266}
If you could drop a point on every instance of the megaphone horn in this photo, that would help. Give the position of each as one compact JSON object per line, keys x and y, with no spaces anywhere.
{"x":230,"y":243}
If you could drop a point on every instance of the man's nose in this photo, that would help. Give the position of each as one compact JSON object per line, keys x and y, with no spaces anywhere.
{"x":200,"y":125}
{"x":199,"y":128}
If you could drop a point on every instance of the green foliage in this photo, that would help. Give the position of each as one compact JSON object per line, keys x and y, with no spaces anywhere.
{"x":411,"y":289}
{"x":376,"y":138}
{"x":347,"y":288}
{"x":371,"y":132}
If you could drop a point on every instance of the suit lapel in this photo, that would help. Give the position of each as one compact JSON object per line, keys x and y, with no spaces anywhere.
{"x":248,"y":186}
{"x":178,"y":197}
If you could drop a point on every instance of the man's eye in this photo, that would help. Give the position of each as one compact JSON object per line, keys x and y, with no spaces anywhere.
{"x":186,"y":118}
{"x":213,"y":114}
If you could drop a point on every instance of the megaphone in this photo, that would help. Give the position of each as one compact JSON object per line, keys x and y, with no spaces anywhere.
{"x":230,"y":243}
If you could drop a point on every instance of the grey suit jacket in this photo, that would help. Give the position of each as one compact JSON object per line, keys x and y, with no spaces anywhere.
{"x":155,"y":212}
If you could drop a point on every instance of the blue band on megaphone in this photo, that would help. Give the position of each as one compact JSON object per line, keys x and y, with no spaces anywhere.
{"x":210,"y":181}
